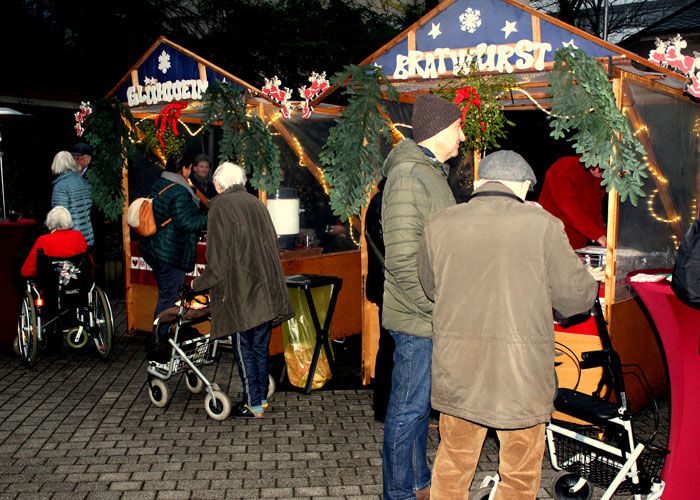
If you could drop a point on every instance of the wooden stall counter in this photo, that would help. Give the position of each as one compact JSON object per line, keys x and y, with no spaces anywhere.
{"x":347,"y":319}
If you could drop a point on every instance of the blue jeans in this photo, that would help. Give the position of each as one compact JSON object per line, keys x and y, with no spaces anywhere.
{"x":169,"y":279}
{"x":251,"y":349}
{"x":404,"y":463}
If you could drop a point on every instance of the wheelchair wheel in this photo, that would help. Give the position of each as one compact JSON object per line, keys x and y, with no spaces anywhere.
{"x":220,"y":408}
{"x":27,"y":330}
{"x":104,"y":322}
{"x":158,"y":392}
{"x":563,"y":483}
{"x":193,"y":382}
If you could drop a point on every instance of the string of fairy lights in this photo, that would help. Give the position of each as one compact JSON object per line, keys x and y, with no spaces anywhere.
{"x":298,"y":150}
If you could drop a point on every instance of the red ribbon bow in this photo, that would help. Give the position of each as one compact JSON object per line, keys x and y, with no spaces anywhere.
{"x":169,"y":115}
{"x":468,"y":95}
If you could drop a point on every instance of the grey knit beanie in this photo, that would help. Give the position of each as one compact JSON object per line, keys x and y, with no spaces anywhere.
{"x":506,"y":166}
{"x":432,"y":114}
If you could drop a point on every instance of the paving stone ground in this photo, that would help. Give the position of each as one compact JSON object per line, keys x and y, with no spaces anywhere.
{"x":76,"y":426}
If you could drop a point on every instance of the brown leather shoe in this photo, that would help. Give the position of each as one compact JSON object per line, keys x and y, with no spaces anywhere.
{"x":423,"y":494}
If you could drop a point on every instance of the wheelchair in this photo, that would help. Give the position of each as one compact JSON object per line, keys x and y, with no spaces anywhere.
{"x":63,"y":302}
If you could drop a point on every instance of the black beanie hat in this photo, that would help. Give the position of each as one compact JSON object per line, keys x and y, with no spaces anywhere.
{"x":432,"y":114}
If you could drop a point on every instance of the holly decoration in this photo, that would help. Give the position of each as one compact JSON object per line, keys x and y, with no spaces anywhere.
{"x":584,"y":108}
{"x":107,"y":131}
{"x":245,"y":139}
{"x":483,"y":120}
{"x":352,"y":155}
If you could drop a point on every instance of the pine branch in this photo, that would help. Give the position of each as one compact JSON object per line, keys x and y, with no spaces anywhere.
{"x":584,"y":108}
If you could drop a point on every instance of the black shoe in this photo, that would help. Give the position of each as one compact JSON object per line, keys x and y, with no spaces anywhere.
{"x":241,"y":410}
{"x":160,"y":352}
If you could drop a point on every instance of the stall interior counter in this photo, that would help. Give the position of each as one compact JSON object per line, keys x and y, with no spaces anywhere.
{"x":347,"y":319}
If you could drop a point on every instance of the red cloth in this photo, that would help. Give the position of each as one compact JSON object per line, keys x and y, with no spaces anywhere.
{"x":66,"y":243}
{"x":679,"y":329}
{"x":574,"y":196}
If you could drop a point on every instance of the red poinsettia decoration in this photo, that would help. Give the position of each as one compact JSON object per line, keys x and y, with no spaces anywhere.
{"x":468,"y":96}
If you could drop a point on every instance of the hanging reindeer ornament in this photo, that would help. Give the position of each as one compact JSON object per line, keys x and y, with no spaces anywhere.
{"x":282,"y":96}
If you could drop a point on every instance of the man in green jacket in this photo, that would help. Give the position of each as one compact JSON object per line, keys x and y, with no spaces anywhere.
{"x":496,"y":267}
{"x":416,"y":188}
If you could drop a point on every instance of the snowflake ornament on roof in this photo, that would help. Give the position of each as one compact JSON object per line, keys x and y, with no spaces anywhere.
{"x":164,"y":62}
{"x":470,"y":20}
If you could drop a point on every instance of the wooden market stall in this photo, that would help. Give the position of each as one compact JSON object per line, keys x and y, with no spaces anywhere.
{"x":506,"y":37}
{"x":168,"y":73}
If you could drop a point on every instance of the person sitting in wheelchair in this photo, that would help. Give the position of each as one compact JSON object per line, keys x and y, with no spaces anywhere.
{"x":61,"y":241}
{"x":61,"y":299}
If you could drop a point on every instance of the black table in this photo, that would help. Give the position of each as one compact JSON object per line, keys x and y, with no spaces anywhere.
{"x":307,"y":282}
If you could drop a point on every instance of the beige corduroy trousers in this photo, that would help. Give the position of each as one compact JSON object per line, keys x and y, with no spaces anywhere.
{"x":520,"y":460}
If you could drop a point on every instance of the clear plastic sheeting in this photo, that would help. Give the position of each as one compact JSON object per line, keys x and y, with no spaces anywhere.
{"x":649,"y":233}
{"x":299,"y":338}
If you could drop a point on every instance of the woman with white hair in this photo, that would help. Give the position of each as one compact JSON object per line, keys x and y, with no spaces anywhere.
{"x":246,"y":282}
{"x":62,"y":240}
{"x":72,"y":191}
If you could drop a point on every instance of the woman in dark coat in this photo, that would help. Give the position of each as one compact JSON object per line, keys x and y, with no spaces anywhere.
{"x":246,"y":282}
{"x":171,"y":251}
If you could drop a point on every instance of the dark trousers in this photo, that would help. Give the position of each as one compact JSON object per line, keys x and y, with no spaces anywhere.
{"x":382,"y":372}
{"x":169,"y":279}
{"x":251,"y":349}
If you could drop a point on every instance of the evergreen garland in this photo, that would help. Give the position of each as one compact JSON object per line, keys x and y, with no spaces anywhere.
{"x":108,"y":129}
{"x":583,"y":105}
{"x":245,"y":139}
{"x":352,"y":155}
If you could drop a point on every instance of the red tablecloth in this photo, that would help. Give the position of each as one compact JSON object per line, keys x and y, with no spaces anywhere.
{"x":12,"y":238}
{"x":679,"y":328}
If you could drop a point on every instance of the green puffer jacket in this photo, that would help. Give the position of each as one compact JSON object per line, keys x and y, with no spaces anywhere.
{"x":416,"y":188}
{"x":176,"y":242}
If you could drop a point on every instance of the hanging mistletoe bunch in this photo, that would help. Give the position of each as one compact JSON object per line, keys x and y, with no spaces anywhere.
{"x":583,"y":105}
{"x":245,"y":139}
{"x":483,"y":120}
{"x":172,"y":145}
{"x":108,"y":132}
{"x":352,"y":155}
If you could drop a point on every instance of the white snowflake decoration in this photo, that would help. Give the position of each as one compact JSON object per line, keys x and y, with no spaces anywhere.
{"x":164,"y":62}
{"x":470,"y":20}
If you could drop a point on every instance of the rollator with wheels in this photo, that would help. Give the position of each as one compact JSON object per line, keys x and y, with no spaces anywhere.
{"x":63,"y":302}
{"x":189,"y":353}
{"x":606,"y":453}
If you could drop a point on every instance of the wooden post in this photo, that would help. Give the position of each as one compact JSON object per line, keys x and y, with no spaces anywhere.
{"x":370,"y":311}
{"x":126,"y":238}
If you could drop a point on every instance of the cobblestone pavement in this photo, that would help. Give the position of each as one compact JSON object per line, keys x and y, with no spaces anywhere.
{"x":79,"y":427}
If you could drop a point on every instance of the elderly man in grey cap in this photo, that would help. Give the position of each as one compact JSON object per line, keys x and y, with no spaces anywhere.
{"x":496,"y":267}
{"x":82,"y":154}
{"x":416,"y":188}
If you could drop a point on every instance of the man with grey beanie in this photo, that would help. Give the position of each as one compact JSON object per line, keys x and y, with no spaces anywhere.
{"x":496,"y":267}
{"x":416,"y":188}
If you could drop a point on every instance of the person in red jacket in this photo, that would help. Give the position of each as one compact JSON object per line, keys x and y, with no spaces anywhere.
{"x":62,"y":241}
{"x":573,"y":194}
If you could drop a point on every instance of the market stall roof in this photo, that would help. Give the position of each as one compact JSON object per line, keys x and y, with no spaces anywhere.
{"x":502,"y":36}
{"x":168,"y":72}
